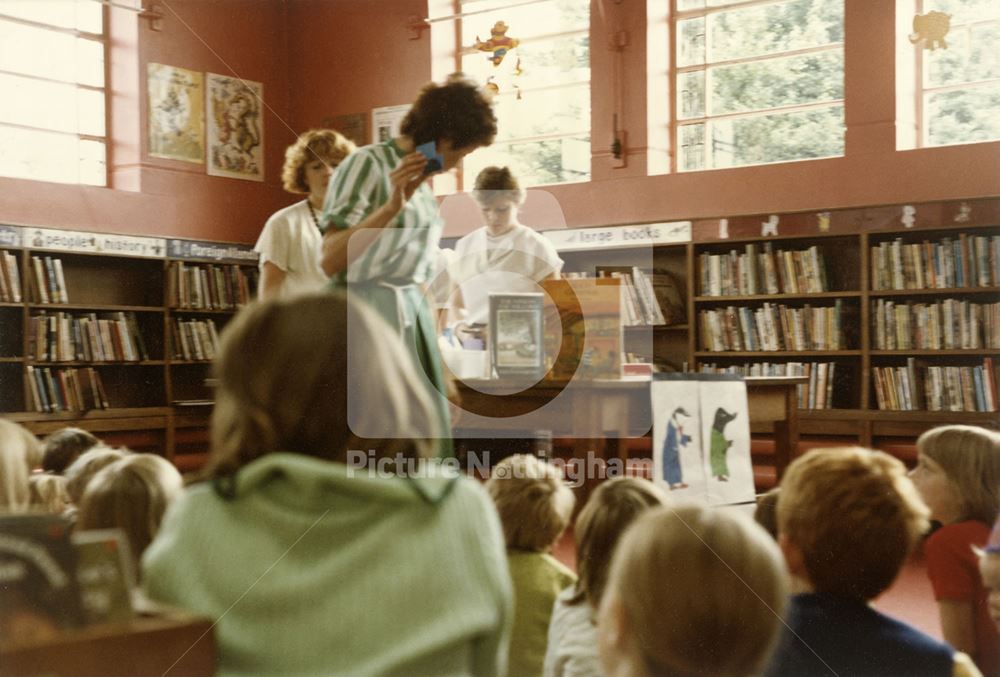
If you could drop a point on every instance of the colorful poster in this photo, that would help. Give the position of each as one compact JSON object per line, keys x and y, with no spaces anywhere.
{"x":176,"y":113}
{"x":235,"y":127}
{"x":701,"y":437}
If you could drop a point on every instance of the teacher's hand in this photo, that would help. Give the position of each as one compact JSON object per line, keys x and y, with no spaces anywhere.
{"x":405,"y":179}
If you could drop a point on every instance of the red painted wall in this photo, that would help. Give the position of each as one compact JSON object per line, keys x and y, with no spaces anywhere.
{"x":382,"y":66}
{"x":164,"y":197}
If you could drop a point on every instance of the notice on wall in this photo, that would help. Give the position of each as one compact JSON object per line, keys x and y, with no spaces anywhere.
{"x":386,"y":122}
{"x":95,"y":243}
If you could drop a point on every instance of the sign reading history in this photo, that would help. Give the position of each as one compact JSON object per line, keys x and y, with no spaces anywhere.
{"x":613,"y":237}
{"x":95,"y":243}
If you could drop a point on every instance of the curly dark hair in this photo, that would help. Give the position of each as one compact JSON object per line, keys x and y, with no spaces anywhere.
{"x":458,"y":110}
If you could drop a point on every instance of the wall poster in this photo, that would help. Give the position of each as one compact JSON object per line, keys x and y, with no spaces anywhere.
{"x":235,"y":127}
{"x":176,"y":113}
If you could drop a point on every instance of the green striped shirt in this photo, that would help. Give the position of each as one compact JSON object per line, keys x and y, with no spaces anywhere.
{"x":405,"y":251}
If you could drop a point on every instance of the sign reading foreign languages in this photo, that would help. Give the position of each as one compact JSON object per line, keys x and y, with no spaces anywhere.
{"x":613,"y":237}
{"x":10,"y":236}
{"x":192,"y":250}
{"x":94,"y":243}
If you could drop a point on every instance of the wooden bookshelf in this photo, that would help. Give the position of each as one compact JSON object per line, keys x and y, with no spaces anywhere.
{"x":845,"y":238}
{"x":107,"y":276}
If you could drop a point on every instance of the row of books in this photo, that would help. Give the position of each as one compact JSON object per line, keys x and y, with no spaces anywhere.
{"x":772,"y":327}
{"x":816,"y":394}
{"x":89,"y":337}
{"x":753,"y":271}
{"x":639,"y":303}
{"x":965,"y":261}
{"x":209,"y":286}
{"x":48,"y":283}
{"x":66,"y":389}
{"x":950,"y":325}
{"x":915,"y":387}
{"x":195,"y":339}
{"x":10,"y":278}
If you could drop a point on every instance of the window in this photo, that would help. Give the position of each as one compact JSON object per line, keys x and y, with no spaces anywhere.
{"x":52,"y":91}
{"x":543,"y":113}
{"x":960,"y":97}
{"x":757,"y":81}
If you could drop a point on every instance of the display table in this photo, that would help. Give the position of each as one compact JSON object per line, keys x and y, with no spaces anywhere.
{"x":601,"y":415}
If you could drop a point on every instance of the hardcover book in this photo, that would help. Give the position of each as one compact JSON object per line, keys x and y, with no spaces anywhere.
{"x":516,"y":335}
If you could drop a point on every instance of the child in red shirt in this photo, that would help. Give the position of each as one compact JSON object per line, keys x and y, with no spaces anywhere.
{"x":958,"y":473}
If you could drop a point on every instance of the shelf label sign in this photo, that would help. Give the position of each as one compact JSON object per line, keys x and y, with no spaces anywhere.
{"x":194,"y":250}
{"x":95,"y":243}
{"x":615,"y":237}
{"x":10,"y":236}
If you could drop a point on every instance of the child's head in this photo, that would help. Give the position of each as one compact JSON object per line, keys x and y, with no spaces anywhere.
{"x":847,"y":520}
{"x":285,"y":385}
{"x":63,"y":447}
{"x":131,"y":494}
{"x":48,"y":492}
{"x":80,"y":471}
{"x":693,"y":590}
{"x":958,"y":473}
{"x":766,"y":512}
{"x":989,"y":568}
{"x":533,"y":501}
{"x":19,"y":453}
{"x":613,"y":506}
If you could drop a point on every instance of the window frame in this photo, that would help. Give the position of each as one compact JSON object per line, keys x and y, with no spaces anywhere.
{"x":462,"y":51}
{"x":103,"y":40}
{"x":676,"y":71}
{"x":922,"y":90}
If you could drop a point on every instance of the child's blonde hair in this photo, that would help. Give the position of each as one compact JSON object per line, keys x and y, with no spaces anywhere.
{"x":703,"y":590}
{"x":970,"y":457}
{"x":48,"y":492}
{"x":533,"y":501}
{"x":131,"y":494}
{"x":613,"y":506}
{"x":20,"y":451}
{"x":854,"y":515}
{"x":284,"y":385}
{"x":88,"y":464}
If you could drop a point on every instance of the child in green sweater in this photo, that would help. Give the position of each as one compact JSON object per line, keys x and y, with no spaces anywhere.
{"x":535,"y":506}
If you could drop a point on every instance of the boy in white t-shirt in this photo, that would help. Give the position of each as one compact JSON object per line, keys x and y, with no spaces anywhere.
{"x":503,"y":256}
{"x":291,"y":242}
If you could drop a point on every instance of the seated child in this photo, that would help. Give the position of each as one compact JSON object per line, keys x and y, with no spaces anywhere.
{"x":847,"y":520}
{"x":131,"y":494}
{"x":614,"y":505}
{"x":766,"y":512}
{"x":63,"y":447}
{"x":989,"y":567}
{"x":958,"y":476}
{"x":20,"y":452}
{"x":693,"y":590}
{"x":48,"y":493}
{"x":535,"y":507}
{"x":88,"y":464}
{"x":340,"y":565}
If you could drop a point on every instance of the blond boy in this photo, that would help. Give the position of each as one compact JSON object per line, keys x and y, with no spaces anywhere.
{"x":535,"y":507}
{"x":847,"y":520}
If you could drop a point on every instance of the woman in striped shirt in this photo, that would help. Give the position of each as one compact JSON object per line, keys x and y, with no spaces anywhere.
{"x":382,"y":224}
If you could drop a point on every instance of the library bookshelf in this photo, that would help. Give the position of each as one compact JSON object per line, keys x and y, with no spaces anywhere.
{"x":892,"y":346}
{"x":115,"y":333}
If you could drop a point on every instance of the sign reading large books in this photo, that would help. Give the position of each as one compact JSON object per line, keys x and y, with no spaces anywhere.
{"x":701,"y":437}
